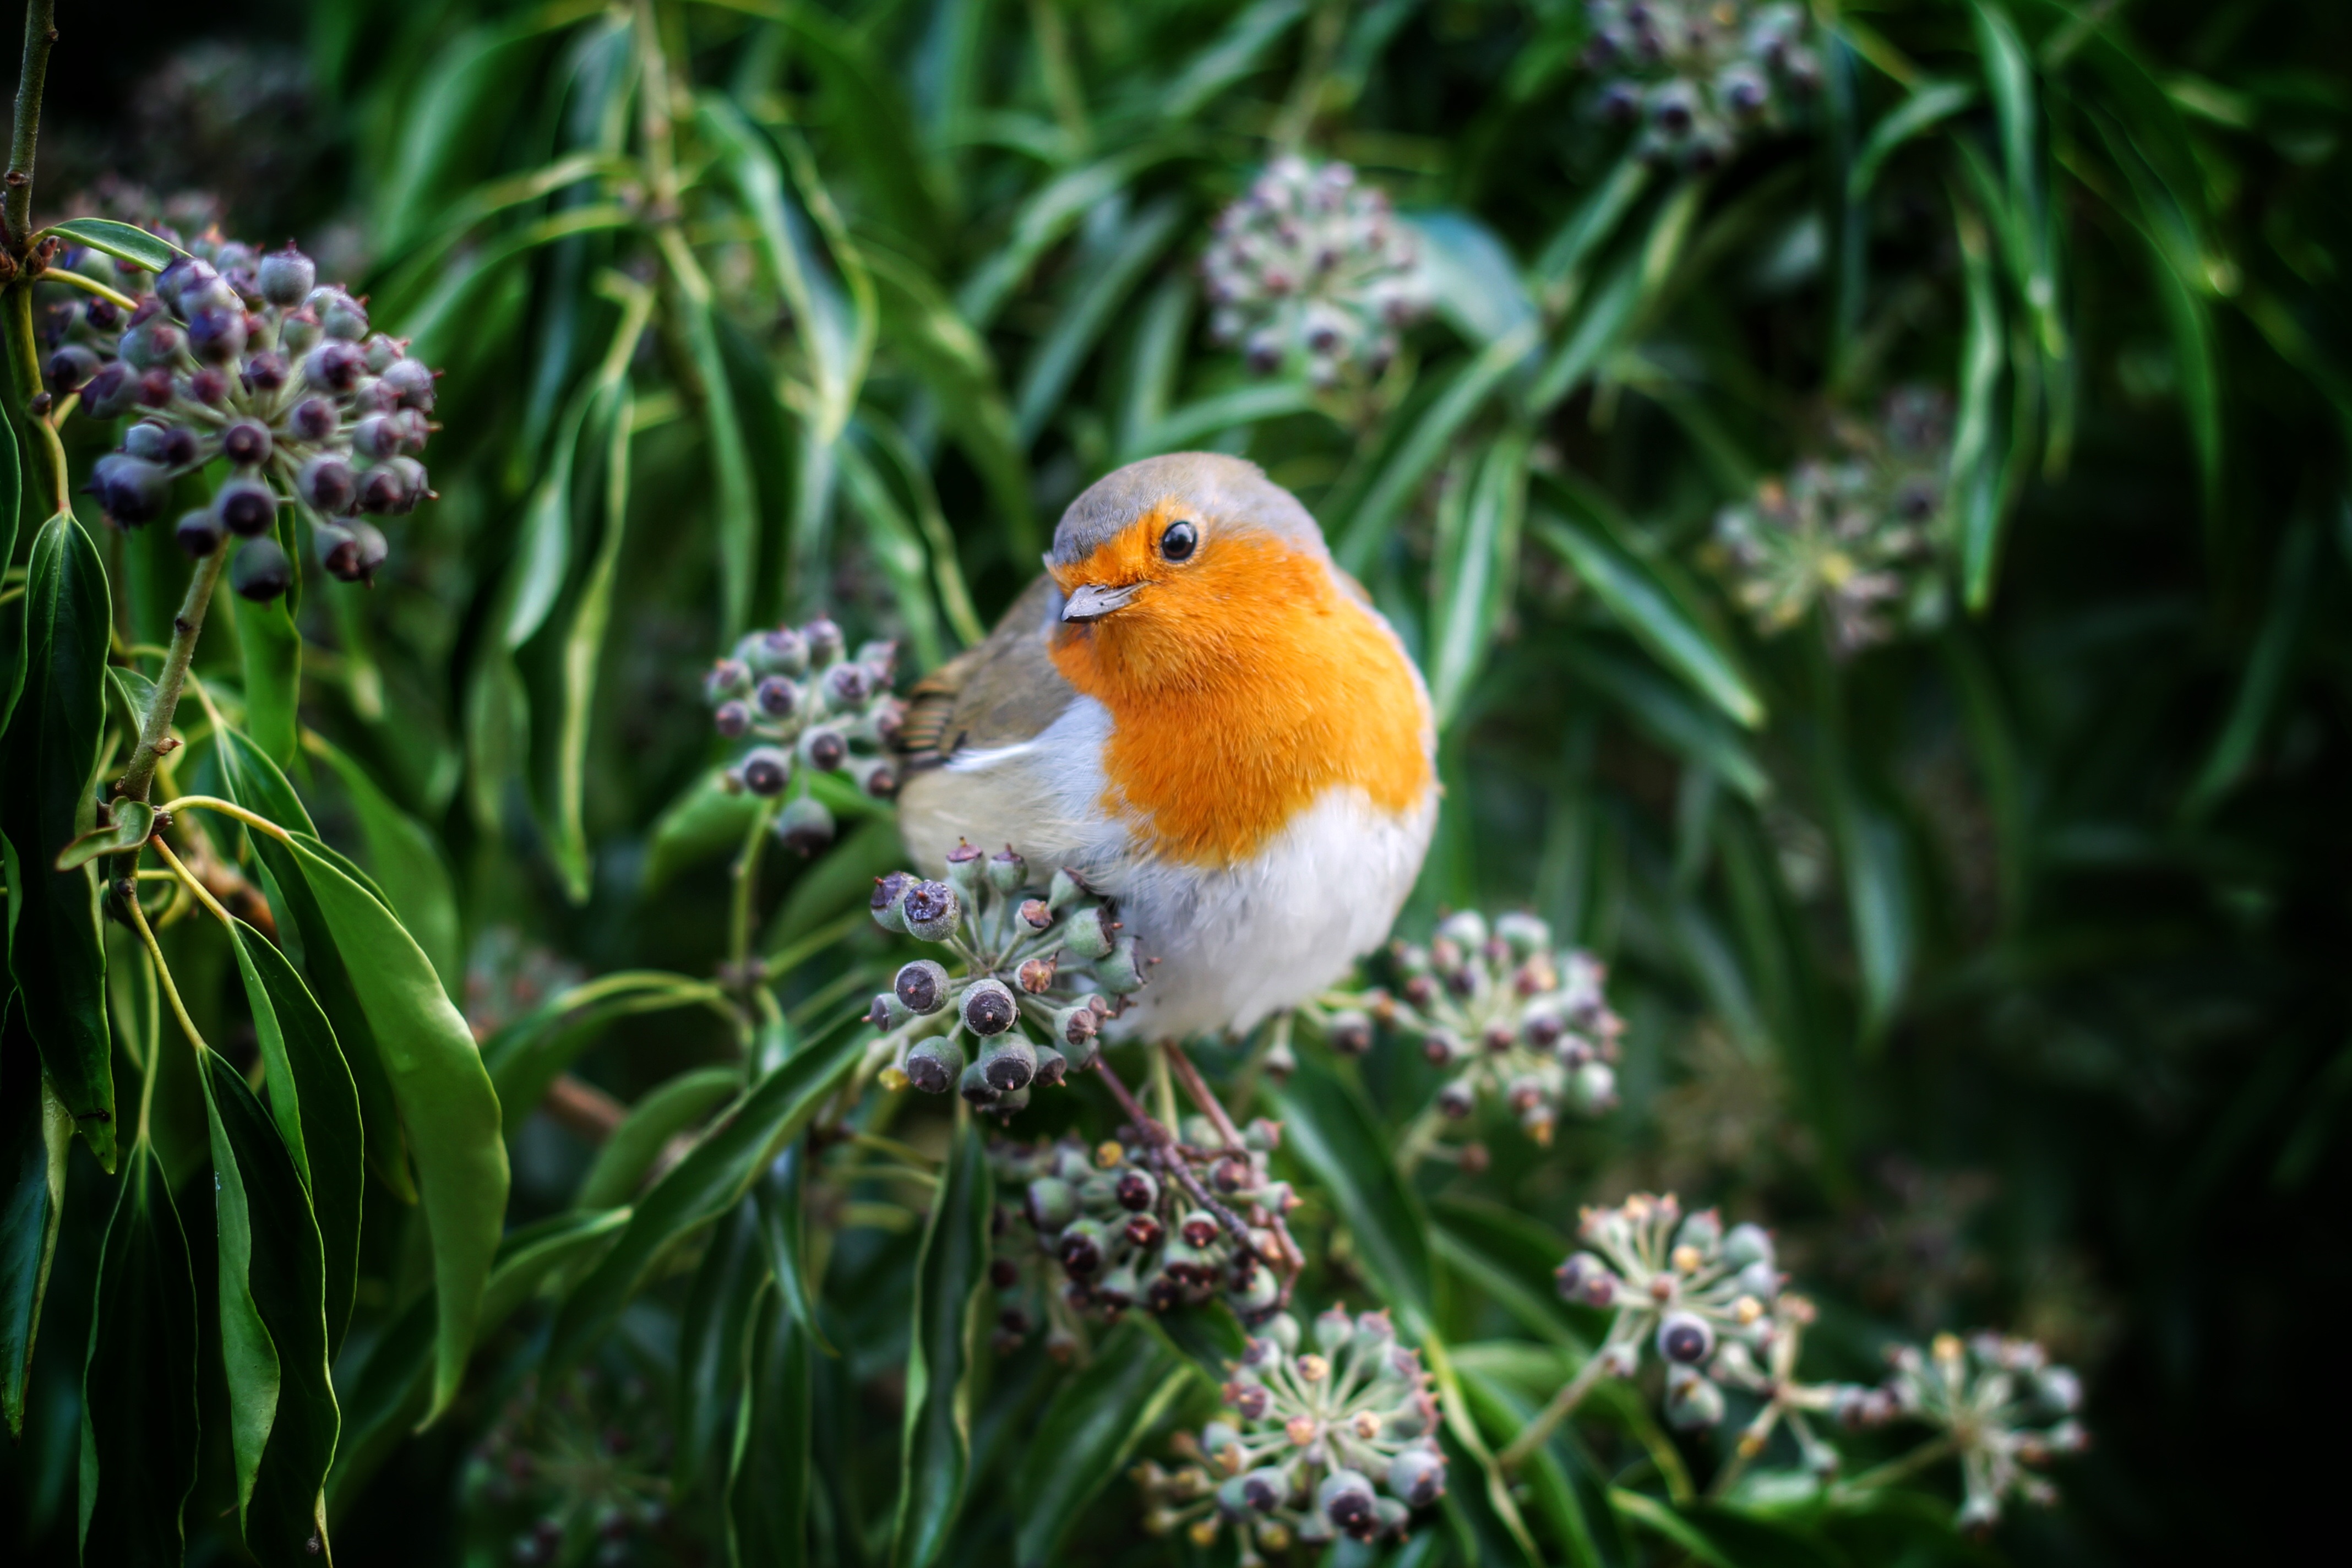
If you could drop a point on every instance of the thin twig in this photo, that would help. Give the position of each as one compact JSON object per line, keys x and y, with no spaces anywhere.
{"x":40,"y":36}
{"x":227,"y":808}
{"x":163,"y":972}
{"x":186,"y":626}
{"x":188,"y":880}
{"x":1563,"y":1403}
{"x":1190,"y":1077}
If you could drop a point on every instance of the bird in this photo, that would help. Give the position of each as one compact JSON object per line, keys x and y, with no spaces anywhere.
{"x":1198,"y":714}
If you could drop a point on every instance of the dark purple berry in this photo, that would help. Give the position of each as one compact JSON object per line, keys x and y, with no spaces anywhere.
{"x":110,"y":392}
{"x":246,"y":442}
{"x":287,"y":276}
{"x":265,"y":372}
{"x":131,"y":489}
{"x":326,"y":483}
{"x":334,"y":365}
{"x":314,"y":419}
{"x":199,"y":532}
{"x":217,"y":335}
{"x":71,"y":369}
{"x":733,"y":718}
{"x":261,"y":571}
{"x":246,"y":507}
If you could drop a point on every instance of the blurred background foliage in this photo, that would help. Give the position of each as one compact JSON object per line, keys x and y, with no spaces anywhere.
{"x":1997,"y":962}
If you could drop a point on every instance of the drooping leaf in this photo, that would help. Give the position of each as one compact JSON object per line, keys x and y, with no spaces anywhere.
{"x":272,"y":649}
{"x":769,"y":1466}
{"x":1098,"y":291}
{"x":942,"y":1356}
{"x":1477,"y":568}
{"x":722,"y":1308}
{"x":260,"y":1193}
{"x":255,"y":783}
{"x":34,"y":1133}
{"x":1083,"y":1441}
{"x":406,"y":867}
{"x":139,"y":1433}
{"x":700,"y":1187}
{"x":446,"y":1104}
{"x":316,"y":1107}
{"x":48,"y":768}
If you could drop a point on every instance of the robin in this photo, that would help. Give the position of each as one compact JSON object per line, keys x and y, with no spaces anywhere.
{"x":1204,"y":719}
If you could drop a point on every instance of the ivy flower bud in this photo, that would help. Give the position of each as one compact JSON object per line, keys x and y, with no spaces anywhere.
{"x":131,"y":489}
{"x":261,"y":571}
{"x":886,"y":1011}
{"x":989,"y":1009}
{"x":932,"y":911}
{"x":376,"y":437}
{"x":1136,"y":1190}
{"x":410,"y":382}
{"x":783,"y":651}
{"x":1694,"y":1403}
{"x":1686,"y":1337}
{"x":1584,"y":1278}
{"x":727,"y":677}
{"x":823,"y":749}
{"x":1351,"y":1033}
{"x":1081,"y":1248}
{"x":286,"y":278}
{"x":1050,"y":1203}
{"x":776,"y":697}
{"x":975,"y":1087}
{"x":1009,"y":1063}
{"x":965,"y":871}
{"x":845,"y":686}
{"x":1007,"y":870}
{"x":246,"y":443}
{"x":314,"y":419}
{"x":110,"y":392}
{"x":732,"y":719}
{"x":1036,"y":914}
{"x":804,"y":824}
{"x":1088,"y":932}
{"x":889,"y":895}
{"x":1416,"y":1476}
{"x":216,"y":334}
{"x":1036,"y":977}
{"x":326,"y":482}
{"x":339,"y":315}
{"x":1064,"y":890}
{"x":1346,"y":1499}
{"x":766,"y":770}
{"x":1052,"y":1066}
{"x":933,"y":1065}
{"x":246,"y":507}
{"x":825,"y":641}
{"x":874,"y":776}
{"x":923,"y":986}
{"x":298,"y":331}
{"x":199,"y":532}
{"x":332,"y":366}
{"x":1121,"y":971}
{"x":1746,"y":1244}
{"x":71,"y":369}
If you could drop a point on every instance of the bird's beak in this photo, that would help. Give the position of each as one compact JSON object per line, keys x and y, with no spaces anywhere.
{"x":1092,"y":600}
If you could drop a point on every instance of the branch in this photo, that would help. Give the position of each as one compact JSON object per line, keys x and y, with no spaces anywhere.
{"x":40,"y":36}
{"x":155,"y":735}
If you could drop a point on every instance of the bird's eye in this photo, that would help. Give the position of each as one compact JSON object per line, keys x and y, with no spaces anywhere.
{"x":1179,"y":542}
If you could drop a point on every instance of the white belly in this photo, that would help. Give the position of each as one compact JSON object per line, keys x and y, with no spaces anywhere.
{"x":1234,"y":945}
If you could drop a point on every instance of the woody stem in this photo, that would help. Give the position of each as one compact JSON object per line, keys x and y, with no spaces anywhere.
{"x":186,"y":626}
{"x":40,"y":36}
{"x":1198,"y":1091}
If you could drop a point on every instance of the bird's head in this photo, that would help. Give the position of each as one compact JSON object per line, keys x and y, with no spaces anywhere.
{"x":1173,"y":567}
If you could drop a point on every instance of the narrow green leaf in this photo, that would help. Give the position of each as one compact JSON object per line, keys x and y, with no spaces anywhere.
{"x":1193,"y":424}
{"x":1475,"y":572}
{"x":1469,"y":272}
{"x":891,"y":537}
{"x":446,"y":1104}
{"x":139,"y":1436}
{"x":248,"y":1355}
{"x":1045,"y":218}
{"x":1649,"y":613}
{"x":1876,"y":865}
{"x":768,"y":1469}
{"x":272,"y":650}
{"x":784,"y":1218}
{"x":1431,"y":438}
{"x":526,"y":1055}
{"x":1666,"y":711}
{"x":1974,"y":461}
{"x":1931,"y":104}
{"x":1153,"y":363}
{"x":47,"y":770}
{"x":915,"y":481}
{"x":666,"y":1111}
{"x":1589,"y":226}
{"x":1504,"y":1412}
{"x":705,"y":1183}
{"x":1083,"y":1442}
{"x":1233,"y":54}
{"x":316,"y":1106}
{"x":407,"y":873}
{"x":869,"y":118}
{"x":942,"y":1354}
{"x":120,"y":240}
{"x":133,"y":821}
{"x":255,"y":783}
{"x":34,"y":1133}
{"x":2267,"y":671}
{"x":260,"y":1193}
{"x":714,"y":1328}
{"x":1081,"y":318}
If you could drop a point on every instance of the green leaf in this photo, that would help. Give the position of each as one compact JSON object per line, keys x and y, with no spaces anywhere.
{"x":255,"y":783}
{"x":139,"y":1436}
{"x":1478,"y":563}
{"x":1085,"y":1439}
{"x":446,"y":1104}
{"x":317,"y":1110}
{"x":1974,"y":460}
{"x":1668,"y":712}
{"x":738,"y":523}
{"x":2267,"y":671}
{"x":870,"y":121}
{"x":942,"y":1354}
{"x":47,"y":771}
{"x":666,"y":1111}
{"x":714,"y":1328}
{"x":1590,"y":226}
{"x":1046,"y":217}
{"x":768,"y":1468}
{"x":704,"y":822}
{"x":1510,"y":1257}
{"x":705,"y":1183}
{"x":526,"y":1055}
{"x":784,"y":1218}
{"x":1876,"y":866}
{"x":120,"y":240}
{"x":1467,"y":271}
{"x":34,"y":1133}
{"x":893,"y":541}
{"x":1233,"y":55}
{"x":133,"y":821}
{"x":1649,"y":611}
{"x":1098,"y":291}
{"x":273,"y":1295}
{"x":1504,"y":1412}
{"x":1431,"y":439}
{"x":407,"y":871}
{"x":1197,"y":422}
{"x":272,"y":651}
{"x":1931,"y":104}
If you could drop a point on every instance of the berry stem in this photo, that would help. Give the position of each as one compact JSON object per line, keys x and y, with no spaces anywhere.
{"x":1547,"y":1420}
{"x":745,"y":874}
{"x":1190,"y":1077}
{"x":40,"y":36}
{"x":1897,"y":1469}
{"x":186,"y":626}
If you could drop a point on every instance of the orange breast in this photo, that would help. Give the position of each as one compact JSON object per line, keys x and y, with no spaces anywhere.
{"x":1239,"y":692}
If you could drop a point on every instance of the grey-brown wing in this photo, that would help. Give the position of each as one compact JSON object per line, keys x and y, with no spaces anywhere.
{"x":999,"y":693}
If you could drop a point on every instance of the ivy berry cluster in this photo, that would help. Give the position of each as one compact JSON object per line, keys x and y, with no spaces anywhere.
{"x":807,"y":707}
